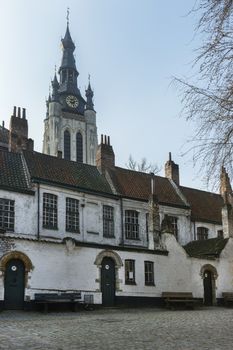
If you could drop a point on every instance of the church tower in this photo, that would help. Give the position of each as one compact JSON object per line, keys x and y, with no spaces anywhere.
{"x":70,"y":123}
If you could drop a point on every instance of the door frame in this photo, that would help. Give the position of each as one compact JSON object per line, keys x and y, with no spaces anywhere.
{"x":118,"y":264}
{"x":113,"y":280}
{"x":214,"y":276}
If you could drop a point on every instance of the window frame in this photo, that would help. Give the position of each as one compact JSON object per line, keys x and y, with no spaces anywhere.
{"x":7,"y":214}
{"x":149,"y":273}
{"x":108,"y":221}
{"x":50,"y":210}
{"x":130,"y":268}
{"x":72,"y":215}
{"x":202,"y":233}
{"x":174,"y":226}
{"x":132,"y":225}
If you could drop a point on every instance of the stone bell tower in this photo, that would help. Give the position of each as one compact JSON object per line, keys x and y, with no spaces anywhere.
{"x":70,"y":123}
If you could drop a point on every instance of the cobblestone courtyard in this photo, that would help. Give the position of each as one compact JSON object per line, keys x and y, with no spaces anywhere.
{"x":157,"y":329}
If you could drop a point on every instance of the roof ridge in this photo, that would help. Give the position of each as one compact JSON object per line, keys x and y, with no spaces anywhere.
{"x":196,"y":189}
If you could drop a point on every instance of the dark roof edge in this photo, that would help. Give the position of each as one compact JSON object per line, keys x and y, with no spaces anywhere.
{"x":75,"y":188}
{"x":18,"y":190}
{"x":206,"y":221}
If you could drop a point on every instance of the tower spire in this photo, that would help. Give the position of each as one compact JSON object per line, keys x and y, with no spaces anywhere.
{"x":89,"y":95}
{"x":55,"y":88}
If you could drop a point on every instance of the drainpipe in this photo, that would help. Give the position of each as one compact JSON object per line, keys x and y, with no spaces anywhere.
{"x":122,"y":222}
{"x":38,"y":211}
{"x":194,"y":227}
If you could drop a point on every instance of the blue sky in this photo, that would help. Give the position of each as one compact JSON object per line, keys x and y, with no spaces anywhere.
{"x":131,"y":48}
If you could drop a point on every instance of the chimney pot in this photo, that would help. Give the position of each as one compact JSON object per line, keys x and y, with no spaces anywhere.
{"x":14,"y":111}
{"x":24,"y":113}
{"x":19,"y":112}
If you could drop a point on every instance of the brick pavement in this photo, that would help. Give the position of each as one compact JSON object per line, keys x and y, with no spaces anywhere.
{"x":147,"y":329}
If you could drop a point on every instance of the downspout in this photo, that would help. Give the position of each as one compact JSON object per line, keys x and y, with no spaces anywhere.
{"x":122,"y":222}
{"x":194,"y":227}
{"x":38,"y":211}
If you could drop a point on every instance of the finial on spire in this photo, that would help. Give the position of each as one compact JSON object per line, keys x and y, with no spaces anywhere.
{"x":68,"y":16}
{"x":89,"y":95}
{"x":89,"y":78}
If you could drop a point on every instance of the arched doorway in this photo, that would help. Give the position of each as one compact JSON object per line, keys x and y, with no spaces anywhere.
{"x":108,"y":281}
{"x":209,"y":275}
{"x":208,"y":290}
{"x":14,"y":284}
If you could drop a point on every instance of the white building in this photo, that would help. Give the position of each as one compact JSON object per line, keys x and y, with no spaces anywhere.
{"x":84,"y":224}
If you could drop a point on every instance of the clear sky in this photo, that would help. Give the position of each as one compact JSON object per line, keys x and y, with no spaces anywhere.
{"x":131,"y":48}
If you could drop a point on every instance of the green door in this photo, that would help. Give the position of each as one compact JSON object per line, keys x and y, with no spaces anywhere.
{"x":108,"y":282}
{"x":14,"y":285}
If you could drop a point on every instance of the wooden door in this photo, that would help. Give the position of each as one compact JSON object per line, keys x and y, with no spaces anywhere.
{"x":14,"y":285}
{"x":108,"y":282}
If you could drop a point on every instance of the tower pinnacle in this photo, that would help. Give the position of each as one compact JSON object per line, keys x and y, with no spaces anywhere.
{"x":89,"y":95}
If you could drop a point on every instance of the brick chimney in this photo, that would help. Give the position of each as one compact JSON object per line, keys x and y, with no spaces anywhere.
{"x":18,"y":133}
{"x":172,"y":170}
{"x":105,"y":157}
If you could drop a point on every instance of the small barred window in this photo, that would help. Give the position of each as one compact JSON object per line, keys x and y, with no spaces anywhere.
{"x":129,"y":272}
{"x":202,"y":233}
{"x":149,"y":273}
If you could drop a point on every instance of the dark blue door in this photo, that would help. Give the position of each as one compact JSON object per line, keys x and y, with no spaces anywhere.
{"x":108,"y":282}
{"x":14,"y":285}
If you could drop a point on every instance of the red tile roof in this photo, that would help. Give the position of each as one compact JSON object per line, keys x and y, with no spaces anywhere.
{"x":66,"y":173}
{"x":205,"y":206}
{"x":137,"y":185}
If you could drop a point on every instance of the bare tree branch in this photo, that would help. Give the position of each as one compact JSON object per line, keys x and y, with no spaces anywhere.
{"x":210,"y":103}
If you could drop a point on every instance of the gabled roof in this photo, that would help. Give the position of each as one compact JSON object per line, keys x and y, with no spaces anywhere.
{"x":12,"y":172}
{"x":205,"y":206}
{"x":137,"y":185}
{"x":207,"y":249}
{"x":65,"y":173}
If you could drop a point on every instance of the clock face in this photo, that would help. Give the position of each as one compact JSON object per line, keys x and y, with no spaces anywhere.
{"x":72,"y":101}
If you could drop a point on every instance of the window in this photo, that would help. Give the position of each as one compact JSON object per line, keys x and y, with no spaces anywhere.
{"x":131,"y":224}
{"x":79,"y":147}
{"x":147,"y":226}
{"x":174,"y":226}
{"x":49,"y":211}
{"x":220,"y":234}
{"x":67,"y":145}
{"x":129,"y":272}
{"x":149,"y":273}
{"x":7,"y":214}
{"x":202,"y":233}
{"x":108,"y":221}
{"x":72,"y":215}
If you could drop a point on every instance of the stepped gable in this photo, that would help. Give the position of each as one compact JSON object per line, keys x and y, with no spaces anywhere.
{"x":137,"y":185}
{"x":67,"y":173}
{"x":205,"y":206}
{"x":207,"y":249}
{"x":13,"y":175}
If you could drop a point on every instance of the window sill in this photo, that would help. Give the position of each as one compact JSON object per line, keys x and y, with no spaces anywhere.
{"x":72,"y":231}
{"x":108,"y":236}
{"x":132,"y":239}
{"x":130,"y":283}
{"x":150,"y":284}
{"x":50,"y":228}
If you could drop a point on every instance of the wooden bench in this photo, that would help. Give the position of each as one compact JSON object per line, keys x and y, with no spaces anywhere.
{"x":228,"y":298}
{"x":46,"y":299}
{"x":176,"y":299}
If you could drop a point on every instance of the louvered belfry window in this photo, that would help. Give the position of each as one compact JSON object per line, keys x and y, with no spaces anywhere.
{"x":79,"y":147}
{"x":67,"y":145}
